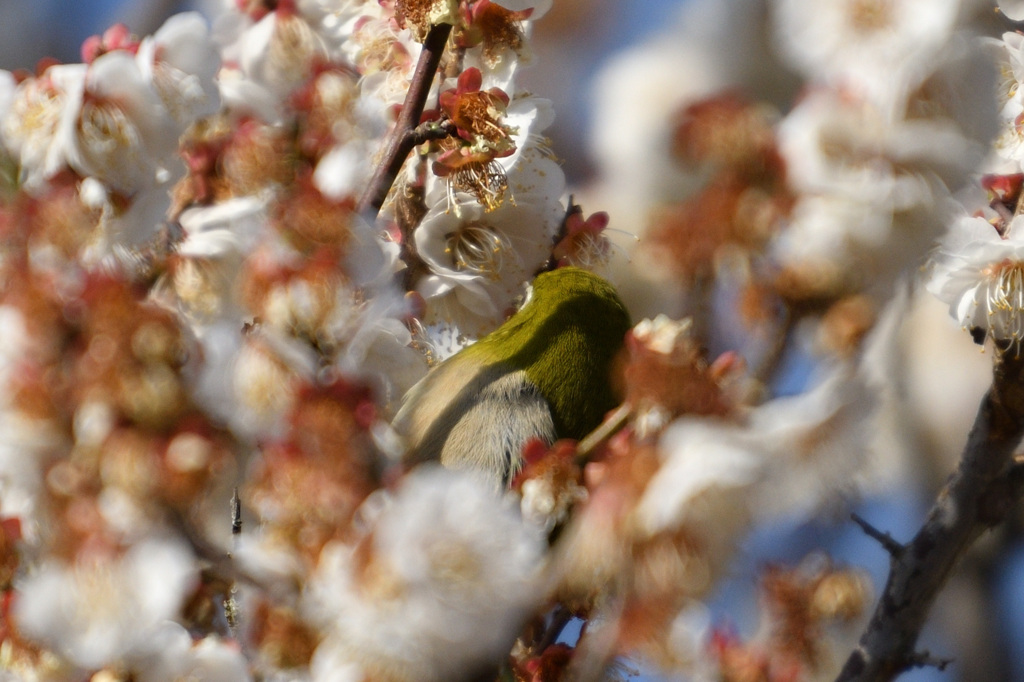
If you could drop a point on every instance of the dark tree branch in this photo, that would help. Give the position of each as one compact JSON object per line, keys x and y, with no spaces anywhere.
{"x":979,"y":495}
{"x":403,"y":136}
{"x":924,"y":659}
{"x":768,"y":364}
{"x":432,"y":130}
{"x":236,"y":514}
{"x":560,"y":617}
{"x":890,"y":544}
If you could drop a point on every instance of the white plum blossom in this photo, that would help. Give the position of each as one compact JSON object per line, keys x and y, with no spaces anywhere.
{"x":194,"y":298}
{"x":878,"y":48}
{"x":31,"y":122}
{"x":234,"y":226}
{"x":980,"y":274}
{"x":528,"y":117}
{"x":96,"y":611}
{"x":8,"y":86}
{"x":1013,"y":9}
{"x":119,"y":229}
{"x":834,"y":231}
{"x":385,"y":57}
{"x":14,"y":342}
{"x":26,"y":448}
{"x":26,"y":444}
{"x":815,"y":444}
{"x":870,"y":189}
{"x":279,"y":51}
{"x":170,"y":654}
{"x":344,"y":170}
{"x":181,"y":63}
{"x":337,"y":21}
{"x":380,"y":349}
{"x":1009,"y":144}
{"x":837,"y":144}
{"x":248,"y":379}
{"x":202,"y":284}
{"x":707,"y":475}
{"x":267,"y":370}
{"x":789,"y":456}
{"x":439,"y":584}
{"x":241,"y":97}
{"x":479,"y":259}
{"x":684,"y":63}
{"x":115,"y":127}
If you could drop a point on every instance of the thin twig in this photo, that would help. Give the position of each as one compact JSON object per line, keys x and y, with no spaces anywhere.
{"x":432,"y":130}
{"x":402,"y":138}
{"x":924,"y":659}
{"x":595,"y":652}
{"x":236,"y":515}
{"x":560,"y":617}
{"x":701,"y":308}
{"x":888,"y":542}
{"x":608,"y":428}
{"x":220,"y":562}
{"x":230,"y":599}
{"x":979,"y":495}
{"x":771,"y":358}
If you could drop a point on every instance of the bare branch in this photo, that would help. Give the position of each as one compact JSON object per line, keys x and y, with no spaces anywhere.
{"x":924,"y":659}
{"x":431,"y":130}
{"x":559,"y":618}
{"x":608,"y":428}
{"x":888,"y":542}
{"x":979,"y":495}
{"x":236,"y":514}
{"x":403,"y":137}
{"x":768,"y":364}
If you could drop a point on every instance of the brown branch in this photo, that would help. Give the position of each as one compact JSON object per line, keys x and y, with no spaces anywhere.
{"x":432,"y":130}
{"x":560,"y":617}
{"x":219,"y":561}
{"x":888,"y":542}
{"x":612,"y":424}
{"x":778,"y":341}
{"x":979,"y":495}
{"x":403,"y":136}
{"x":924,"y":659}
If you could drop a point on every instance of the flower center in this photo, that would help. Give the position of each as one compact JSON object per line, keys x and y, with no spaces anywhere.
{"x":479,"y":112}
{"x":37,"y":114}
{"x":106,"y":127}
{"x":477,"y":248}
{"x":1004,"y":298}
{"x":293,"y":47}
{"x":870,"y":16}
{"x":484,"y":180}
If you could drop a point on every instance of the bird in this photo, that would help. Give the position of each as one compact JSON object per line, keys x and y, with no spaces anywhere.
{"x":545,"y":373}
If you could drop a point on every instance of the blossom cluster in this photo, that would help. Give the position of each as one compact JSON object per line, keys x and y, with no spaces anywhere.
{"x":195,"y":306}
{"x":206,"y":324}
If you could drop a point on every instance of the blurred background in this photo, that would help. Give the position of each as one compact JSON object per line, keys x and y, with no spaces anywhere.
{"x":587,"y":51}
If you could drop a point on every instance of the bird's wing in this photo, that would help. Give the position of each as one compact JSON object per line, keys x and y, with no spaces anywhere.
{"x":474,"y":419}
{"x":435,"y":400}
{"x":496,"y":423}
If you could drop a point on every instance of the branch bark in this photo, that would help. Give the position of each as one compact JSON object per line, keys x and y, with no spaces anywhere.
{"x":979,"y":495}
{"x":403,"y":136}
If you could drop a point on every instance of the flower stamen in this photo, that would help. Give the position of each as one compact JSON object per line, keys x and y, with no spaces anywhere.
{"x":1004,"y":301}
{"x":479,"y":249}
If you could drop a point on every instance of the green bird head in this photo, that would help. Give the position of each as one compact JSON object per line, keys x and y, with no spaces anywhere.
{"x":545,"y":373}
